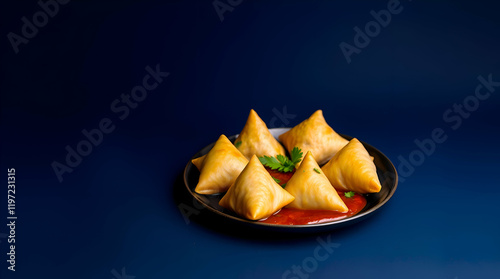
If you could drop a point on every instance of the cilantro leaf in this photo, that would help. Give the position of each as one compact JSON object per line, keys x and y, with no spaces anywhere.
{"x":281,"y":162}
{"x":296,"y":155}
{"x":237,"y":144}
{"x":316,"y":170}
{"x":271,"y":162}
{"x":277,"y":180}
{"x":282,"y":159}
{"x":349,"y":194}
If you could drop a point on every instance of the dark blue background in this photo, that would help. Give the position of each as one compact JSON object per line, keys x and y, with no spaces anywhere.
{"x":119,"y":207}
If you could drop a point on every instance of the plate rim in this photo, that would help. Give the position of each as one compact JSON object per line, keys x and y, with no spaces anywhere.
{"x":280,"y":226}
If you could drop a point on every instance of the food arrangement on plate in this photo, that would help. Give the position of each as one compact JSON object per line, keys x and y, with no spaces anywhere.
{"x":325,"y":177}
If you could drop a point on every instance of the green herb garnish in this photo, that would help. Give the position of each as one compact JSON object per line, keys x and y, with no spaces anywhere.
{"x":237,"y":144}
{"x":316,"y":170}
{"x":282,"y":163}
{"x":277,"y":180}
{"x":296,"y":155}
{"x":349,"y":194}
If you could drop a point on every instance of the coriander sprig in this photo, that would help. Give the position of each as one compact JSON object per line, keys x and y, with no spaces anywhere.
{"x":283,"y":163}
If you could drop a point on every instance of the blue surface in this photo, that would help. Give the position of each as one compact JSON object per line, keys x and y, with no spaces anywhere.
{"x":116,"y":215}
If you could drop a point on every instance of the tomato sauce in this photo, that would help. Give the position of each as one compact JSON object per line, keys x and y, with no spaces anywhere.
{"x":291,"y":216}
{"x":282,"y":176}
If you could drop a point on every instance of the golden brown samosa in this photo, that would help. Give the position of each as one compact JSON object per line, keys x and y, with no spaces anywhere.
{"x":198,"y":162}
{"x":352,"y":169}
{"x":255,"y":195}
{"x":315,"y":135}
{"x":256,"y":139}
{"x":311,"y":188}
{"x":220,"y":167}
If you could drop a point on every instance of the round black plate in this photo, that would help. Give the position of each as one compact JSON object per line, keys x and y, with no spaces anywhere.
{"x":385,"y":170}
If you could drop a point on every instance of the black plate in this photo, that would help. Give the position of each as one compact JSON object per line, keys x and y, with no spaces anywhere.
{"x":385,"y":170}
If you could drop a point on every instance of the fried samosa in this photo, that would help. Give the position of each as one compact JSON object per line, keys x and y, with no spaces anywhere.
{"x":352,"y":169}
{"x":198,"y":162}
{"x":255,"y":195}
{"x":315,"y":135}
{"x":219,"y":168}
{"x":311,"y":188}
{"x":255,"y":139}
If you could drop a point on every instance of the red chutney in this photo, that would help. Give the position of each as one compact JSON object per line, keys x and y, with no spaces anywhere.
{"x":282,"y":176}
{"x":291,"y":216}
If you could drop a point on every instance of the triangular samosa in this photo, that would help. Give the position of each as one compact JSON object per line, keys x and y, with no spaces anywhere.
{"x":352,"y":169}
{"x":311,"y":188}
{"x":315,"y":135}
{"x":198,"y":162}
{"x":220,"y":167}
{"x":255,"y":195}
{"x":256,"y":139}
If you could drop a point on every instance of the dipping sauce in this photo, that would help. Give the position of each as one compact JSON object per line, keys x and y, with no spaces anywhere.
{"x":282,"y":176}
{"x":291,"y":216}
